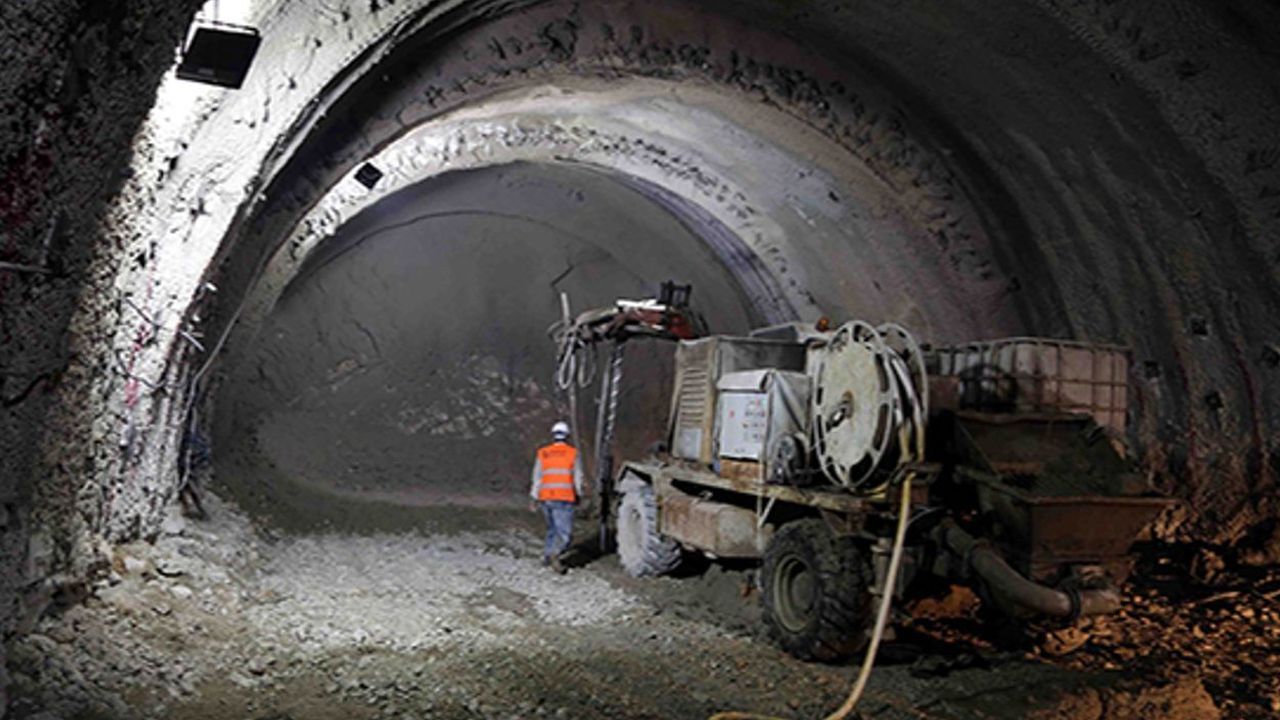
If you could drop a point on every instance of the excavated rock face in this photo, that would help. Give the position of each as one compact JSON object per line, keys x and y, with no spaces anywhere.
{"x":1101,"y":170}
{"x":409,"y":364}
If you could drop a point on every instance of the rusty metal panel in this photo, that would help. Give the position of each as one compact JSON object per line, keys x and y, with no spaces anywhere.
{"x":944,"y":392}
{"x":743,"y":478}
{"x":721,"y":529}
{"x":699,"y":364}
{"x":742,"y":470}
{"x":1043,"y":533}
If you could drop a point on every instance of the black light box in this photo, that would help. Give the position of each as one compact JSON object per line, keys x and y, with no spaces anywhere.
{"x":220,"y":55}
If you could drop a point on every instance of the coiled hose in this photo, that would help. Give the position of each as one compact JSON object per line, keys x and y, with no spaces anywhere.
{"x":575,"y":365}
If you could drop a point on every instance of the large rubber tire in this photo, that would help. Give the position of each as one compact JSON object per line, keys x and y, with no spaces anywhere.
{"x":817,"y":599}
{"x":641,"y":549}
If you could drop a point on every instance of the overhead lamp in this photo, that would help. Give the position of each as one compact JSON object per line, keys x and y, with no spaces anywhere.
{"x":368,"y":175}
{"x":219,"y":54}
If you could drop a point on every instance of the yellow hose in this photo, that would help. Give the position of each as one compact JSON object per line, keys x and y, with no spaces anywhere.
{"x":882,"y":616}
{"x":911,"y":451}
{"x":877,"y":632}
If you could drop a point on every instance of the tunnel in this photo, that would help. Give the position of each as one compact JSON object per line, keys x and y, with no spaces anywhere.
{"x":277,"y":359}
{"x":409,"y":363}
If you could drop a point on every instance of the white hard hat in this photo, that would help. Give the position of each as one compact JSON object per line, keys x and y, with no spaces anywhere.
{"x":560,"y":429}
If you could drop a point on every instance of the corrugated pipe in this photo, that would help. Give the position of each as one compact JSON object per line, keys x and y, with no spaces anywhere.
{"x":1010,"y":585}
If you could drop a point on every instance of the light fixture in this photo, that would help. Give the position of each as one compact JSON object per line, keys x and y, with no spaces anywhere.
{"x":368,"y":175}
{"x":219,"y":54}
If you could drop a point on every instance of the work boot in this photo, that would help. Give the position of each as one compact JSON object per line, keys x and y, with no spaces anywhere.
{"x":555,"y":565}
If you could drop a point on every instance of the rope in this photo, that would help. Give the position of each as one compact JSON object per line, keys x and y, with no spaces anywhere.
{"x":575,"y":359}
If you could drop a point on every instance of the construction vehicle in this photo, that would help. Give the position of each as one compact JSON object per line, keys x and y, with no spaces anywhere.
{"x":852,"y":463}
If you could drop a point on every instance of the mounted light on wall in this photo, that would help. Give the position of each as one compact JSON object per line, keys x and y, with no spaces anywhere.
{"x":219,"y":54}
{"x":368,"y":175}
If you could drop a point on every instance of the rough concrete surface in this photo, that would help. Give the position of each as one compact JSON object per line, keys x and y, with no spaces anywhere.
{"x":1128,"y":130}
{"x":1043,"y":183}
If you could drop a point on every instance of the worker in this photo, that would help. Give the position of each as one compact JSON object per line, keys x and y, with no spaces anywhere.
{"x":556,"y":486}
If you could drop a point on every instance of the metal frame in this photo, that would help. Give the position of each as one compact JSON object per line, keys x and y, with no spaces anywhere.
{"x":1108,"y":391}
{"x":837,"y":499}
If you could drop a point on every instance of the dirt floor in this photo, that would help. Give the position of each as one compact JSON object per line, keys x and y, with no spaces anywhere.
{"x":224,"y":619}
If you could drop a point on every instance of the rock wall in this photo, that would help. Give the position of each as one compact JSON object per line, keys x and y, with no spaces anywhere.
{"x":78,"y":80}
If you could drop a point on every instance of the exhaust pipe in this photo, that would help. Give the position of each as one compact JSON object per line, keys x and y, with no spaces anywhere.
{"x":1010,"y":585}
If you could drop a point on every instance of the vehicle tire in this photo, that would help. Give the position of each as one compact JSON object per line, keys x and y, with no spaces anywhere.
{"x":641,"y":549}
{"x":817,"y":592}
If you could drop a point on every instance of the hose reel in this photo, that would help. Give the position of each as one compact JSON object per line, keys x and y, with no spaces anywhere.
{"x":869,"y":386}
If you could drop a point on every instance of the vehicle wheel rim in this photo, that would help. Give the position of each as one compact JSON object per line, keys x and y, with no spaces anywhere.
{"x":796,"y":593}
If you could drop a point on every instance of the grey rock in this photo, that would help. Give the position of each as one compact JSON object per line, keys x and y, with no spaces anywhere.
{"x":257,"y":665}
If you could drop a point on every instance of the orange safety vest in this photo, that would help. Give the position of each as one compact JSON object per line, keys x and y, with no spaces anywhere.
{"x":556,"y":461}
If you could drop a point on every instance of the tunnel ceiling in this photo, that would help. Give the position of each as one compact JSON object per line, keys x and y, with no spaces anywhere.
{"x":966,"y":176}
{"x":1099,"y":170}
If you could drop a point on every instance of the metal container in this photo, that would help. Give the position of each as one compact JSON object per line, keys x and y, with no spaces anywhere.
{"x":756,"y":408}
{"x":699,"y":366}
{"x":1042,"y":534}
{"x":1039,"y":375}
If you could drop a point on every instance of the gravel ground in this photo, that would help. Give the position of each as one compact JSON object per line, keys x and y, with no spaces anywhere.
{"x":220,"y":619}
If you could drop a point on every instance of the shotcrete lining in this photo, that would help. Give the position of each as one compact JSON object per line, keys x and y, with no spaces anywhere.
{"x":812,"y":237}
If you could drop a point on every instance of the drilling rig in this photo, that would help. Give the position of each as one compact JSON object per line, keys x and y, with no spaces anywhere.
{"x":854,"y":462}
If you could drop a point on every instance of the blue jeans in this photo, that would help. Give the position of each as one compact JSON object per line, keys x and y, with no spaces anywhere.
{"x":559,"y":516}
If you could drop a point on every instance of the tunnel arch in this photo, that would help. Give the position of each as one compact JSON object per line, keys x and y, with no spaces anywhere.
{"x":1047,"y":208}
{"x":781,"y":223}
{"x":803,"y":222}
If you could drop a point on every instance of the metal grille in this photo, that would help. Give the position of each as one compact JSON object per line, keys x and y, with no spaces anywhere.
{"x":693,"y":397}
{"x":692,"y":402}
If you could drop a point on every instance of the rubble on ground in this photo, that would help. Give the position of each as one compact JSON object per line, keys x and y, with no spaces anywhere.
{"x":1192,"y":626}
{"x":222,"y":619}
